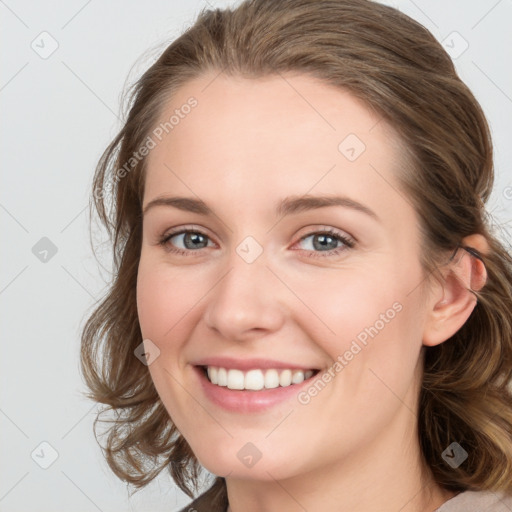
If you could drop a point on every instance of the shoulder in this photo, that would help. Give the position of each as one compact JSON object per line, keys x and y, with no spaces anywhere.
{"x":213,"y":500}
{"x":478,"y":501}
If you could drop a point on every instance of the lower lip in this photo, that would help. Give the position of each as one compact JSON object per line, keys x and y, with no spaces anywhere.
{"x":245,"y":401}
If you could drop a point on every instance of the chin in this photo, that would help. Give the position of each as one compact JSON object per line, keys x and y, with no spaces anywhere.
{"x":237,"y":463}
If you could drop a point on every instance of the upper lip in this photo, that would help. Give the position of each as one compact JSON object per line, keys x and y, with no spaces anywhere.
{"x":250,"y":364}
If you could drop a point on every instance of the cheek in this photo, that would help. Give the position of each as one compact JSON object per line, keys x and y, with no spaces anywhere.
{"x":367,"y":319}
{"x":162,"y":309}
{"x":163,"y":300}
{"x":153,"y":301}
{"x":345,"y":306}
{"x":170,"y":302}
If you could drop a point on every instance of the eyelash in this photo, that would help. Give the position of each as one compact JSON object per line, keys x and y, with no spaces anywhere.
{"x":348,"y":242}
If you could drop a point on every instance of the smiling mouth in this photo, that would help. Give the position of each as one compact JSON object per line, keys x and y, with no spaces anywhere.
{"x":256,"y":379}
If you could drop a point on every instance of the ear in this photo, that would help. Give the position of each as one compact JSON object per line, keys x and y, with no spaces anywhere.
{"x":452,"y":300}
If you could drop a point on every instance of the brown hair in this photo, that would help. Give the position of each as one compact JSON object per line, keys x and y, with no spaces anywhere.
{"x":396,"y":67}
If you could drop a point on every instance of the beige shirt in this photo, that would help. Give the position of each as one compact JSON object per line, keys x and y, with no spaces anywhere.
{"x":478,"y":501}
{"x":215,"y":500}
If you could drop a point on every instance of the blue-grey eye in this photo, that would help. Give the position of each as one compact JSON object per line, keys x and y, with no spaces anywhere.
{"x":321,"y":242}
{"x":191,"y":239}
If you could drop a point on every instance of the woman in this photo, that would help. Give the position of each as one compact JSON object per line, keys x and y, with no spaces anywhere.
{"x":308,"y":299}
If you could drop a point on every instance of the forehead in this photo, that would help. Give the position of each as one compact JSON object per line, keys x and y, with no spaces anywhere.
{"x":292,"y":133}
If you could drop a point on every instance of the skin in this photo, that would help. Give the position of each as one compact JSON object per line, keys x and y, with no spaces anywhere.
{"x":247,"y":145}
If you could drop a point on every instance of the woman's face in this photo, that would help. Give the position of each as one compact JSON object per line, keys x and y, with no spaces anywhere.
{"x":253,"y":271}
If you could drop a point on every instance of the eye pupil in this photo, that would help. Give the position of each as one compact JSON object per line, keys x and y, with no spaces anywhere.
{"x":324,"y":242}
{"x":194,"y":238}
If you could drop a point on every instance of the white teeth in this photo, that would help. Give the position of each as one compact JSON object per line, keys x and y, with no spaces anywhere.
{"x":256,"y":379}
{"x":236,"y":379}
{"x":297,"y":377}
{"x":222,"y":377}
{"x":213,"y":374}
{"x":285,"y":379}
{"x":271,"y":379}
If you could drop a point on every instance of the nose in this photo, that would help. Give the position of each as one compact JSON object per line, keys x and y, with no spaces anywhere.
{"x":247,"y":302}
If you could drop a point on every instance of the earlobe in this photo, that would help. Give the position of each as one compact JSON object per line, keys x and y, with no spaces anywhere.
{"x":455,"y":299}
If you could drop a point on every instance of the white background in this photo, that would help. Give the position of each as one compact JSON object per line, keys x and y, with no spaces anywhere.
{"x":57,"y":115}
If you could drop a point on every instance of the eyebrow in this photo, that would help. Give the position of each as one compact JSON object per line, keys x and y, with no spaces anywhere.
{"x":287,"y":206}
